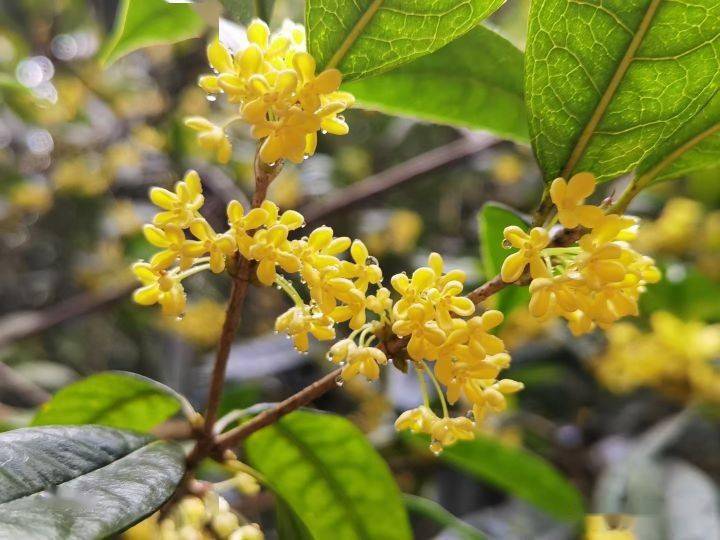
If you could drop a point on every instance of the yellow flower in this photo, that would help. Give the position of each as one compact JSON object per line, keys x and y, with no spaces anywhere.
{"x":273,"y":80}
{"x":181,"y":205}
{"x":357,"y":359}
{"x":598,"y":528}
{"x":569,"y":197}
{"x":172,"y":239}
{"x":211,"y":137}
{"x":380,"y":302}
{"x":529,"y":251}
{"x":549,"y":293}
{"x":363,"y":273}
{"x":600,"y":264}
{"x":219,"y":246}
{"x":159,"y":287}
{"x":299,"y":321}
{"x":419,"y":420}
{"x":248,"y":532}
{"x":240,"y":223}
{"x":447,"y":431}
{"x":271,"y":248}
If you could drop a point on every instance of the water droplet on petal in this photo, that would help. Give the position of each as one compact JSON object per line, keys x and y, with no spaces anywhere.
{"x":436,"y":448}
{"x":211,"y":98}
{"x":506,"y":244}
{"x":339,"y":380}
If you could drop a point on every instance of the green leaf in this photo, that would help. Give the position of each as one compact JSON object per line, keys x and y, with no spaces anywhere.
{"x":110,"y":399}
{"x":450,"y":86}
{"x":331,"y":477}
{"x":289,"y":525}
{"x":694,"y":147}
{"x":367,"y":37}
{"x":492,"y":220}
{"x":610,"y":83}
{"x":516,"y":471}
{"x":141,"y":23}
{"x":432,"y":510}
{"x":82,"y":481}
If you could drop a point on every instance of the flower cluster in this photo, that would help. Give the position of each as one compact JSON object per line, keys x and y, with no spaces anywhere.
{"x":273,"y":81}
{"x":342,"y":284}
{"x":204,"y":518}
{"x":676,"y":357}
{"x":593,"y":283}
{"x":468,"y":358}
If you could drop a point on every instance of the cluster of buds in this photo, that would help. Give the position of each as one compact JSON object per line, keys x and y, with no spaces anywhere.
{"x":194,"y":518}
{"x":592,"y":283}
{"x":273,"y":82}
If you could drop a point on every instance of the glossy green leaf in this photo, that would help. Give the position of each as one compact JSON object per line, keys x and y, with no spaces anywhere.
{"x":110,"y":399}
{"x":450,"y":86}
{"x":141,"y":23}
{"x":492,"y":220}
{"x":332,"y":478}
{"x":82,"y":481}
{"x":609,"y":84}
{"x":367,"y":37}
{"x":432,"y":510}
{"x":694,"y":147}
{"x":516,"y":471}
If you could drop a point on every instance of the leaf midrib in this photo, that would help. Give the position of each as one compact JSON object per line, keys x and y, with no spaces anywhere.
{"x":335,"y":487}
{"x":354,"y":33}
{"x":607,"y":97}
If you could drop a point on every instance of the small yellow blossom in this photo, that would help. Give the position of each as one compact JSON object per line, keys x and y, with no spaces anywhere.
{"x":211,"y":137}
{"x":569,"y":198}
{"x":218,"y":246}
{"x":299,"y":321}
{"x":181,"y":205}
{"x":159,"y":287}
{"x":172,"y":241}
{"x":529,"y":251}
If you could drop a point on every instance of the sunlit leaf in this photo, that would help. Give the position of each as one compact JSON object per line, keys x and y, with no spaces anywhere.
{"x":141,"y":23}
{"x":327,"y":472}
{"x":450,"y":86}
{"x":110,"y":399}
{"x":367,"y":37}
{"x":82,"y":481}
{"x":609,"y":84}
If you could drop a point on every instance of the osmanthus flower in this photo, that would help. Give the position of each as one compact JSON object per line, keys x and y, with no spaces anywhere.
{"x":569,"y":196}
{"x":299,"y":321}
{"x":241,"y":223}
{"x":159,"y":287}
{"x":548,"y":294}
{"x":363,"y":269}
{"x":357,"y":359}
{"x":270,"y":247}
{"x":182,"y":204}
{"x":443,"y":431}
{"x":218,"y":246}
{"x":211,"y":137}
{"x":530,"y":246}
{"x":274,"y":82}
{"x":172,"y":240}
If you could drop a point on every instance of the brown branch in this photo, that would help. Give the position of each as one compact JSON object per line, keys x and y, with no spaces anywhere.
{"x":310,"y":393}
{"x":397,"y":175}
{"x":264,"y":175}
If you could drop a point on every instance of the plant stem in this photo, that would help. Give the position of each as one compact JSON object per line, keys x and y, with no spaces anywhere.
{"x":264,"y":175}
{"x":231,"y":438}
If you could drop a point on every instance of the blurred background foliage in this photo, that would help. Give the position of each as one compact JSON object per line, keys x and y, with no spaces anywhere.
{"x":79,"y":148}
